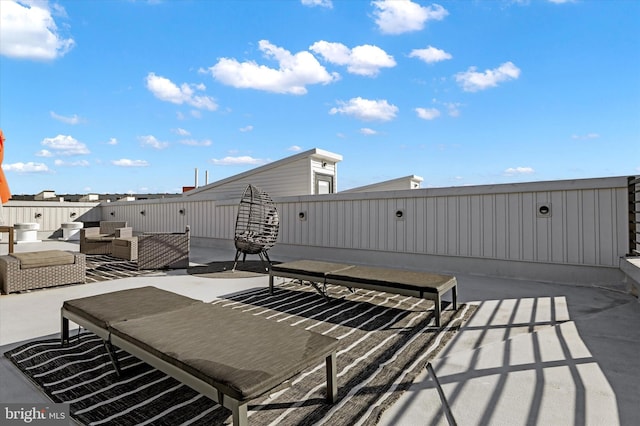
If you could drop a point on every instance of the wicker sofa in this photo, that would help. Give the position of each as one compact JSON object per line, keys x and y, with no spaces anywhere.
{"x":49,"y":268}
{"x":98,"y":240}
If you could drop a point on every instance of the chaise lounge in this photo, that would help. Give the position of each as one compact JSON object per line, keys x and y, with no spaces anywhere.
{"x":229,"y":356}
{"x":423,"y":285}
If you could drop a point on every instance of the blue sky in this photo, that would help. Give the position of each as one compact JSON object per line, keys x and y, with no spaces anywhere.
{"x":132,"y":96}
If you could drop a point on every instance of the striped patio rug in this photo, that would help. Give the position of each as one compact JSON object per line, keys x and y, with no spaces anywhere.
{"x":385,"y":341}
{"x":102,"y":267}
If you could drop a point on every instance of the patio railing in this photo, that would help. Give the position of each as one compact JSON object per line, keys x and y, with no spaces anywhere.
{"x":634,"y":215}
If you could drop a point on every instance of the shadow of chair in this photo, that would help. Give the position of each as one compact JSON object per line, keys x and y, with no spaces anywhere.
{"x":257,"y":225}
{"x":164,"y":250}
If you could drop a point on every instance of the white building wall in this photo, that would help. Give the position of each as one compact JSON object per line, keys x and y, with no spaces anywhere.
{"x":288,"y":177}
{"x":322,"y":167}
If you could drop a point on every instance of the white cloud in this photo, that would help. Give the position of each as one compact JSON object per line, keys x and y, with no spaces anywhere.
{"x":29,"y":167}
{"x":246,"y":128}
{"x":79,"y":163}
{"x":453,"y":109}
{"x":65,"y":145}
{"x":367,"y":110}
{"x":151,"y":141}
{"x":194,"y":142}
{"x":238,"y":161}
{"x":428,"y":113}
{"x":430,"y":55}
{"x":44,"y":153}
{"x":401,"y":16}
{"x":293,"y":74}
{"x":29,"y":31}
{"x":74,"y":119}
{"x":367,"y":131}
{"x":322,"y":3}
{"x":112,"y":141}
{"x":181,"y":132}
{"x":472,"y":81}
{"x":512,"y":171}
{"x":125,"y":162}
{"x":585,"y":137}
{"x":294,"y":148}
{"x":165,"y":90}
{"x":362,"y":60}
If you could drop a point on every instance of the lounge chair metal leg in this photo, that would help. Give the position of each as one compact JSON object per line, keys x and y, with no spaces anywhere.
{"x":454,"y":295}
{"x":322,"y":291}
{"x":112,"y":355}
{"x":438,"y":309}
{"x":239,"y":413}
{"x":64,"y":330}
{"x":332,"y":378}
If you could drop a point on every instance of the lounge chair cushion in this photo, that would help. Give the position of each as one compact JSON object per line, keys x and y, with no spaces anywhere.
{"x":245,"y":365}
{"x":39,"y":259}
{"x":104,"y":309}
{"x":312,"y":268}
{"x":427,"y":282}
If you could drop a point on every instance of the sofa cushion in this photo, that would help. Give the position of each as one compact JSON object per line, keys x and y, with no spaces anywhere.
{"x":38,"y":259}
{"x":124,"y":241}
{"x":99,"y":238}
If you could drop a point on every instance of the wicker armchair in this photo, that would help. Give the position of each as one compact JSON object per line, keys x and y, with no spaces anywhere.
{"x":257,"y":225}
{"x":163,"y":250}
{"x":96,"y":240}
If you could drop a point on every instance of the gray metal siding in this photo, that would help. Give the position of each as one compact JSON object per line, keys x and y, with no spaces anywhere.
{"x":585,"y":226}
{"x":588,"y":224}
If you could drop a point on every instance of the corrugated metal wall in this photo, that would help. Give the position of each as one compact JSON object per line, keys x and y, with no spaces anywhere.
{"x":587,"y":222}
{"x":584,"y":226}
{"x":50,"y":215}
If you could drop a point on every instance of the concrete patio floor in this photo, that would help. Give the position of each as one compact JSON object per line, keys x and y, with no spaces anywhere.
{"x":533,"y":353}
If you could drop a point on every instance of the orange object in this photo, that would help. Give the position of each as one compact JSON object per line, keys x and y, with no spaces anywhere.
{"x":5,"y":192}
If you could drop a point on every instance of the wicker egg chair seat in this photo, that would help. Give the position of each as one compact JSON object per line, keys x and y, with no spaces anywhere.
{"x":257,"y":225}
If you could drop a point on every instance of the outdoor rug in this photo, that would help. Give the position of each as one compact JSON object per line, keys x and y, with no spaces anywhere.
{"x":102,"y":267}
{"x":385,"y":341}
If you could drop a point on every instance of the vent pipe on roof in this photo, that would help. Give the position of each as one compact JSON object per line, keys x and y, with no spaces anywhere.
{"x":196,"y":181}
{"x":206,"y":177}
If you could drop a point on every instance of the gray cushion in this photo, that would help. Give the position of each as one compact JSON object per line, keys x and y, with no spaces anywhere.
{"x":104,"y":309}
{"x":242,"y":355}
{"x":39,"y":259}
{"x":124,"y":241}
{"x":99,"y":238}
{"x":394,"y":278}
{"x":313,"y":268}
